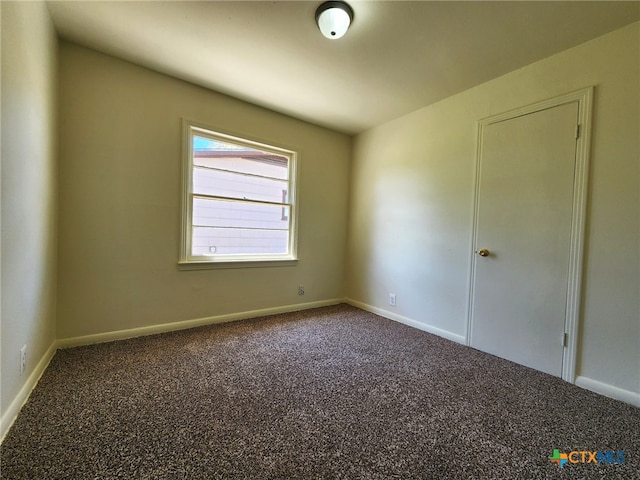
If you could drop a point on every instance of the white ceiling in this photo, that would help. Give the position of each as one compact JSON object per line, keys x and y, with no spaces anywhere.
{"x":397,"y":56}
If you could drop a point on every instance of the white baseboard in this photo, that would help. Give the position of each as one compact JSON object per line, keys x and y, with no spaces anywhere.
{"x":185,"y":324}
{"x":607,"y":390}
{"x":9,"y":416}
{"x":408,"y":321}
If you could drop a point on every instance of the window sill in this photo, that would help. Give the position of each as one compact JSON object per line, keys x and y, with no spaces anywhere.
{"x":222,"y":264}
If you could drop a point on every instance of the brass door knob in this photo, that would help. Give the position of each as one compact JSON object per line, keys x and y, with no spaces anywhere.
{"x":483,"y":252}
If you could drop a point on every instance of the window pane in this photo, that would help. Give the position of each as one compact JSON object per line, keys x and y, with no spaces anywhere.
{"x":237,"y":158}
{"x":231,"y":214}
{"x":238,"y":241}
{"x":223,"y":183}
{"x":227,"y":228}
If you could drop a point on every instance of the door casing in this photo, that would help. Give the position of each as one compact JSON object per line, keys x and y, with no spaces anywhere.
{"x":584,"y":97}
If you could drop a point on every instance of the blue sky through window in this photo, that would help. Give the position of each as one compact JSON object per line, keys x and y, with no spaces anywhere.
{"x":202,"y":143}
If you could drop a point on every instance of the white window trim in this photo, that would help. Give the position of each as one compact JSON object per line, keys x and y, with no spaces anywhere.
{"x":190,"y":262}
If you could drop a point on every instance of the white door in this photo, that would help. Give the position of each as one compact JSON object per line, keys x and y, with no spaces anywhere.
{"x":523,"y":233}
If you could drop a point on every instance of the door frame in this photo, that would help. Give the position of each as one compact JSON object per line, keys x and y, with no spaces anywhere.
{"x":584,"y":98}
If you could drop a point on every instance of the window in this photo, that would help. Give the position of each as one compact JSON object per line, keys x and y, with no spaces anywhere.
{"x":238,"y":201}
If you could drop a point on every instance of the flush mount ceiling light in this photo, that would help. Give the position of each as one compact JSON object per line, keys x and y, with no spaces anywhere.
{"x":334,"y":18}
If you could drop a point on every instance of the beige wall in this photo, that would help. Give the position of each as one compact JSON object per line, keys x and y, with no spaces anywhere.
{"x":28,"y":173}
{"x":120,"y":168}
{"x":412,"y":203}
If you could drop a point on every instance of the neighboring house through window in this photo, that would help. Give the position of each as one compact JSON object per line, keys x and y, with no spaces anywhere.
{"x":238,"y":201}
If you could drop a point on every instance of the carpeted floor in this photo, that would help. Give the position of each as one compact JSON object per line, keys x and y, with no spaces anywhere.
{"x":330,"y":393}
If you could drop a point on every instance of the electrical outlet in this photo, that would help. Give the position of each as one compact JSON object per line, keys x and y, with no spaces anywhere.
{"x":392,"y":299}
{"x":23,"y":359}
{"x":301,"y":290}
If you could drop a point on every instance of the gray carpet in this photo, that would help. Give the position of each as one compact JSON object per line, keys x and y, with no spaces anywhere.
{"x":330,"y":393}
